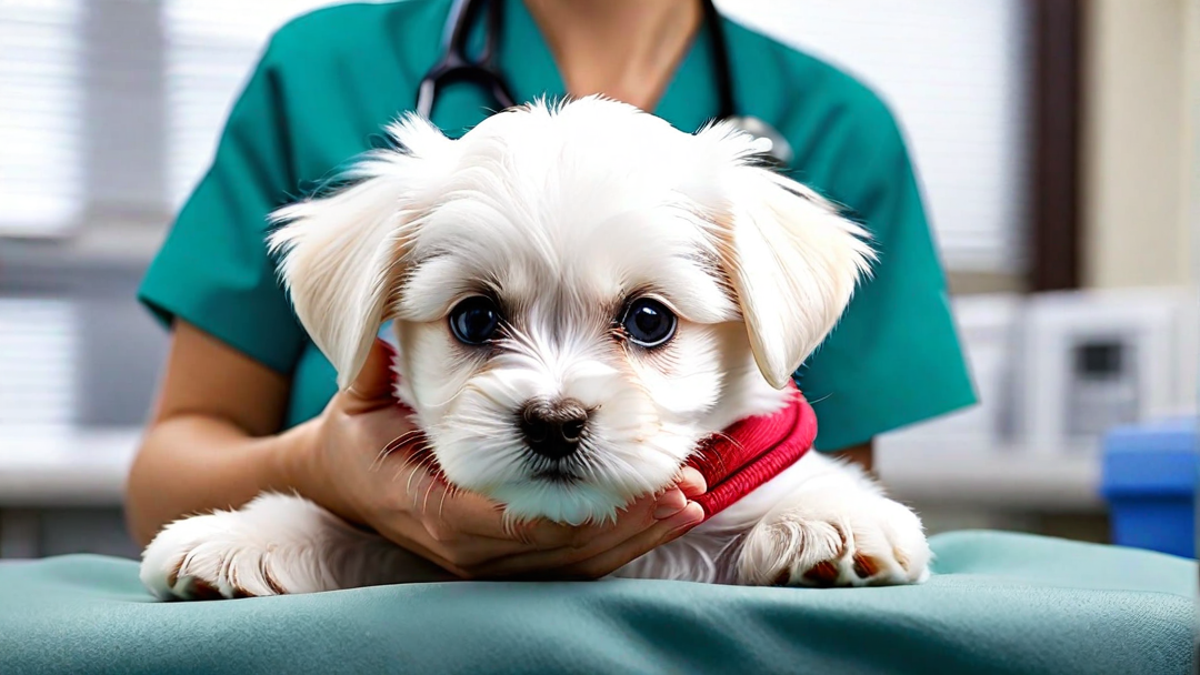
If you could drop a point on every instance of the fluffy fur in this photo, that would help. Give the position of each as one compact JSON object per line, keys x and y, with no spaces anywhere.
{"x":563,"y":215}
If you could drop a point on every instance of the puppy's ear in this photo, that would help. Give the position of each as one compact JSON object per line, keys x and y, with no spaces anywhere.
{"x":342,"y":253}
{"x":793,"y":261}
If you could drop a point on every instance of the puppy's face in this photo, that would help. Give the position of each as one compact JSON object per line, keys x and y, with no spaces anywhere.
{"x":578,"y":293}
{"x":560,"y":328}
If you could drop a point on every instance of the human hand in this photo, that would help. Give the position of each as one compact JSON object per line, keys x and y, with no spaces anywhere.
{"x":362,"y":459}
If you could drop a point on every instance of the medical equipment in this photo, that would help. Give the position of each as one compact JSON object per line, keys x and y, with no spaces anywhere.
{"x":1094,"y":360}
{"x":484,"y":72}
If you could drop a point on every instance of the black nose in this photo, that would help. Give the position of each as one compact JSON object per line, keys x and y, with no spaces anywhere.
{"x":553,"y":429}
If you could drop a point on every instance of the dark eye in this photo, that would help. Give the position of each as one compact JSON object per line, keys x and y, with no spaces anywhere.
{"x":474,"y":321}
{"x":648,"y":323}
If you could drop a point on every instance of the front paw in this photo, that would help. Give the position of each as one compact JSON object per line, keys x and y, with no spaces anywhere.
{"x":834,"y":539}
{"x":208,"y":558}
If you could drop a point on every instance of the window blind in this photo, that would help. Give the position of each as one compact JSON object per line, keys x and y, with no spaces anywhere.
{"x":954,"y":74}
{"x":211,"y":47}
{"x":41,"y":109}
{"x":38,"y":363}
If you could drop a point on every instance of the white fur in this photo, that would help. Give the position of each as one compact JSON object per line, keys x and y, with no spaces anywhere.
{"x":565,"y":213}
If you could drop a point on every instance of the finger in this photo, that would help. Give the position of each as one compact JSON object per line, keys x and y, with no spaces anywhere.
{"x":441,"y":517}
{"x":617,"y":557}
{"x":451,"y":527}
{"x":441,"y":508}
{"x":480,"y":557}
{"x":459,"y":557}
{"x":610,"y":560}
{"x":421,"y":528}
{"x":375,"y":381}
{"x":467,"y":534}
{"x":475,"y":515}
{"x":639,"y":518}
{"x":471,"y":530}
{"x":591,"y":538}
{"x":670,"y":503}
{"x":453,"y":516}
{"x":425,"y":547}
{"x":691,"y":482}
{"x":469,"y":554}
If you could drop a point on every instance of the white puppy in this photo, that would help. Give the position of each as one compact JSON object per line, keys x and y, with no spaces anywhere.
{"x":581,"y":293}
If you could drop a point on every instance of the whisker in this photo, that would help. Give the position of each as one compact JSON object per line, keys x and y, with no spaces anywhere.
{"x":512,"y":527}
{"x":442,"y":503}
{"x":425,"y":500}
{"x":411,"y":474}
{"x":391,"y":447}
{"x":421,"y":460}
{"x":453,"y":397}
{"x":818,"y":400}
{"x":732,"y":441}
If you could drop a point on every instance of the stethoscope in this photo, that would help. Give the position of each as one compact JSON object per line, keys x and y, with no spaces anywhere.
{"x":455,"y":66}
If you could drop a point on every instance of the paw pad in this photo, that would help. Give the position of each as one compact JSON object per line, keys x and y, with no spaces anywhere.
{"x":865,"y":566}
{"x":824,"y":573}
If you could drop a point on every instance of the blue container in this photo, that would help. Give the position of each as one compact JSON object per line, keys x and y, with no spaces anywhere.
{"x":1150,"y":479}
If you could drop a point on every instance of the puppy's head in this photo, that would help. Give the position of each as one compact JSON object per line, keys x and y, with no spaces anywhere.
{"x":578,"y":292}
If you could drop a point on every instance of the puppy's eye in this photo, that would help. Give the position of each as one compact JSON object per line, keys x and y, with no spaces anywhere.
{"x":474,"y":321}
{"x":649,"y":323}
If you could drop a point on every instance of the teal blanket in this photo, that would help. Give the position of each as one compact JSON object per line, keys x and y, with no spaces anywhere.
{"x":999,"y":603}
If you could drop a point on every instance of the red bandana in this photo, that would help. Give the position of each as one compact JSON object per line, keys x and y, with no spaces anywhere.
{"x":752,"y":452}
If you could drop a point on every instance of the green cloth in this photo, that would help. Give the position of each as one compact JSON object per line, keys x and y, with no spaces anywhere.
{"x":1000,"y":603}
{"x":329,"y":81}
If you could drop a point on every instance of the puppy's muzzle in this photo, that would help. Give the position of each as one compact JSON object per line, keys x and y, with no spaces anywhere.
{"x":553,"y":429}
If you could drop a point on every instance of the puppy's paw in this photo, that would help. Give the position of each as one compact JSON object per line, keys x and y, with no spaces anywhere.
{"x":208,"y":558}
{"x":829,"y":539}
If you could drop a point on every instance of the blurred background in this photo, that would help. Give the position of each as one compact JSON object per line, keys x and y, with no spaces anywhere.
{"x":1058,"y":145}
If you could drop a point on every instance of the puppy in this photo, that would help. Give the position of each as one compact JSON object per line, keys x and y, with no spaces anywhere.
{"x":583,"y":261}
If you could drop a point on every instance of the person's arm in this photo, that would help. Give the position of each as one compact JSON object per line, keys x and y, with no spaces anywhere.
{"x":209,"y":443}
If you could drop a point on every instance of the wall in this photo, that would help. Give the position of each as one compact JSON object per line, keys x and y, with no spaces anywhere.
{"x":1191,"y":171}
{"x":1139,"y":140}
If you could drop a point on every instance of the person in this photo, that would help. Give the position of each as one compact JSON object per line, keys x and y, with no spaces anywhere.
{"x":247,"y":402}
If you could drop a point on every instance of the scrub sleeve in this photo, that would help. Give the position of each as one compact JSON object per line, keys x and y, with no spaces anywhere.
{"x":213,"y":271}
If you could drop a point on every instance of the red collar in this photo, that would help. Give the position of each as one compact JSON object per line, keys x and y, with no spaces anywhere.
{"x":752,"y":452}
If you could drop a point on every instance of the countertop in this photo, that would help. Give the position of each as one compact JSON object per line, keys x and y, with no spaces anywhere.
{"x":65,"y":466}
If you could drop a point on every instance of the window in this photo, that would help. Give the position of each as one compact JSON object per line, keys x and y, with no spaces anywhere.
{"x":211,"y":47}
{"x":954,"y":74}
{"x":41,"y":105}
{"x":110,"y":109}
{"x":39,"y":360}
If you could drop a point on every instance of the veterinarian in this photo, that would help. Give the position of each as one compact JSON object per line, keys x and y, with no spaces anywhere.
{"x":248,"y":403}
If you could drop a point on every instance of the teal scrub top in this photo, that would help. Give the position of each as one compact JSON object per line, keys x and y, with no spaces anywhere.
{"x":330,"y":80}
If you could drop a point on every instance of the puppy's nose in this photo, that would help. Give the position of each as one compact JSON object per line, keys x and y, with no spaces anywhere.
{"x":553,"y":429}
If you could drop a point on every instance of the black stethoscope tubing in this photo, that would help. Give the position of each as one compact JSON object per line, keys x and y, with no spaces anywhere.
{"x":484,"y":72}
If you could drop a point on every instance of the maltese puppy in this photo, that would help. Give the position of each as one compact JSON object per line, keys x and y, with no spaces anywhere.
{"x":581,"y":294}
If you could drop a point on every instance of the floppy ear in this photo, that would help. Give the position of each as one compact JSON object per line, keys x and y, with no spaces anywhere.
{"x":793,"y":262}
{"x":342,"y":253}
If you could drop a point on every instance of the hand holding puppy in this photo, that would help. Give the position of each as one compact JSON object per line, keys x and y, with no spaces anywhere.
{"x":343,"y":467}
